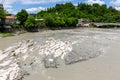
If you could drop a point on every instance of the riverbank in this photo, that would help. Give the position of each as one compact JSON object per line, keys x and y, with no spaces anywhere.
{"x":17,"y":32}
{"x":6,"y":34}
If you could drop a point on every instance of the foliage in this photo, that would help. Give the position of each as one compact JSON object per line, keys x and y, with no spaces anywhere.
{"x":95,"y":12}
{"x":30,"y":22}
{"x":6,"y":34}
{"x":14,"y":54}
{"x":22,"y":16}
{"x":15,"y":25}
{"x":92,"y":25}
{"x":59,"y":16}
{"x":2,"y":16}
{"x":71,"y":21}
{"x":66,"y":15}
{"x":40,"y":24}
{"x":50,"y":21}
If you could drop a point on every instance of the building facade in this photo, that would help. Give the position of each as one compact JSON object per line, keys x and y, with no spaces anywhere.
{"x":10,"y":20}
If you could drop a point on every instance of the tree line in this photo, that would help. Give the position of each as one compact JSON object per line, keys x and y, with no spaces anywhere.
{"x":66,"y":15}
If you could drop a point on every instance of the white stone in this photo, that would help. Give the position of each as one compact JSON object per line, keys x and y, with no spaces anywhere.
{"x":9,"y":69}
{"x":51,"y":60}
{"x":56,"y":48}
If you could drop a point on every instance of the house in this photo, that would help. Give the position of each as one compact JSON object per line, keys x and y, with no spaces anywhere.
{"x":10,"y":19}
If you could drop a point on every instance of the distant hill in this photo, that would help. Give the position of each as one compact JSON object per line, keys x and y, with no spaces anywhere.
{"x":95,"y":12}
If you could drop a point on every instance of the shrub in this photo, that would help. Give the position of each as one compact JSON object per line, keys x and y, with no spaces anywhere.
{"x":50,"y":21}
{"x":15,"y":25}
{"x":71,"y":21}
{"x":92,"y":25}
{"x":14,"y":54}
{"x":30,"y":22}
{"x":40,"y":25}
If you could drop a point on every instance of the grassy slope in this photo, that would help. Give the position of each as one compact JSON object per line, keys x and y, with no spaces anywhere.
{"x":6,"y":34}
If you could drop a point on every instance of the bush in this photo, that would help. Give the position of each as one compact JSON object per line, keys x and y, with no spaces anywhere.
{"x":60,"y":23}
{"x":15,"y":25}
{"x":92,"y":25}
{"x":40,"y":25}
{"x":71,"y":21}
{"x":50,"y":21}
{"x":30,"y":22}
{"x":14,"y":54}
{"x":6,"y":34}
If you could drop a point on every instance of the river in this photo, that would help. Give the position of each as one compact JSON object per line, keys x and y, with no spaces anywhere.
{"x":106,"y":66}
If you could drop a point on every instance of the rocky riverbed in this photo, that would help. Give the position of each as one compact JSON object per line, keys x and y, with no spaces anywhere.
{"x":52,"y":49}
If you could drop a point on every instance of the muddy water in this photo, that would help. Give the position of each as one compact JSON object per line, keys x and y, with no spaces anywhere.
{"x":104,"y":67}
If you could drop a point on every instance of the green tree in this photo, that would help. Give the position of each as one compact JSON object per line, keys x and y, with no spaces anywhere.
{"x":2,"y":16}
{"x":22,"y":16}
{"x":71,"y":21}
{"x":41,"y":24}
{"x":30,"y":22}
{"x":50,"y":21}
{"x":66,"y":15}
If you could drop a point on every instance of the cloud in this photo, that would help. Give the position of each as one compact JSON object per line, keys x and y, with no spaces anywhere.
{"x":75,"y":4}
{"x":7,"y":6}
{"x":43,"y":1}
{"x":8,"y":3}
{"x":115,"y":2}
{"x":95,"y":1}
{"x":35,"y":10}
{"x":117,"y":8}
{"x":38,"y":1}
{"x":32,"y":1}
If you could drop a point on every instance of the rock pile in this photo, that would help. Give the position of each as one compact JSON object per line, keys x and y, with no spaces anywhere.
{"x":15,"y":61}
{"x":10,"y":68}
{"x":52,"y":50}
{"x":70,"y":52}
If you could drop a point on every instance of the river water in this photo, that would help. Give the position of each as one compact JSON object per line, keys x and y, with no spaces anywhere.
{"x":104,"y":67}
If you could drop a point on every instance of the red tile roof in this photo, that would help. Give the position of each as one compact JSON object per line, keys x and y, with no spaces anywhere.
{"x":10,"y":17}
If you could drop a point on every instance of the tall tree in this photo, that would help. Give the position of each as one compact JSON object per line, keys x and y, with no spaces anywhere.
{"x":2,"y":16}
{"x":22,"y":16}
{"x":67,"y":14}
{"x":30,"y":22}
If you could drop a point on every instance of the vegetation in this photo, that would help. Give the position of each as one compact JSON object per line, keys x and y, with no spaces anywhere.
{"x":14,"y":54}
{"x":30,"y":22}
{"x":41,"y":25}
{"x":15,"y":25}
{"x":65,"y":16}
{"x":22,"y":16}
{"x":6,"y":34}
{"x":59,"y":16}
{"x":92,"y":25}
{"x":2,"y":16}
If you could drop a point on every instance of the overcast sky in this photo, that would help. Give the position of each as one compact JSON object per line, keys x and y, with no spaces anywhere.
{"x":33,"y":6}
